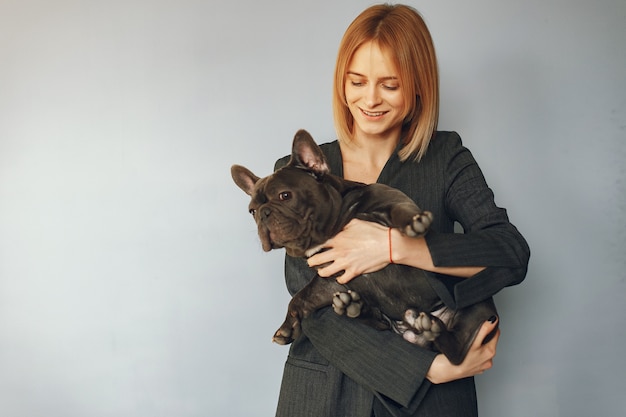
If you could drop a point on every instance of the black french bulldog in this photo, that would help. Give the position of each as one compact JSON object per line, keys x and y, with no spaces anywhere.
{"x":302,"y":205}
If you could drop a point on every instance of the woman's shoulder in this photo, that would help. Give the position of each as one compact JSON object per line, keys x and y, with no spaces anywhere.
{"x":330,"y":148}
{"x":444,"y":147}
{"x":445,"y":140}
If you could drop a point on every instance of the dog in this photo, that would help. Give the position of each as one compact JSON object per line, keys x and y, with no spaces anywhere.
{"x":301,"y":205}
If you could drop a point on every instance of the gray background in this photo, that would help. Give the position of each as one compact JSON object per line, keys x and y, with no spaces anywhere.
{"x":131,"y":279}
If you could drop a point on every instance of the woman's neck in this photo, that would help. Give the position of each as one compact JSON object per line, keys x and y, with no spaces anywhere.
{"x":365,"y":158}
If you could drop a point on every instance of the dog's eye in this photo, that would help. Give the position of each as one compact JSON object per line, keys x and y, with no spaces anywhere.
{"x":252,"y":211}
{"x":284,"y":196}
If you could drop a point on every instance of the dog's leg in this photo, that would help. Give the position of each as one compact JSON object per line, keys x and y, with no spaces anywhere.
{"x":347,"y":303}
{"x":463,"y":328}
{"x":428,"y":331}
{"x":399,"y":211}
{"x":316,"y":294}
{"x":410,"y":219}
{"x":452,"y":332}
{"x":421,"y":328}
{"x":419,"y":224}
{"x":350,"y":304}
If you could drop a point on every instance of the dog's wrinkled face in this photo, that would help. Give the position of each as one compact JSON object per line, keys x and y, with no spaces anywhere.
{"x":285,"y":207}
{"x":293,"y":207}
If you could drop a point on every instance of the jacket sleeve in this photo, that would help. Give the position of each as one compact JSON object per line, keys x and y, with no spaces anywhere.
{"x":384,"y":363}
{"x":489,"y":239}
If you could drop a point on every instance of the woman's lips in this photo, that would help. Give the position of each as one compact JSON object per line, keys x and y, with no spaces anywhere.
{"x":373,"y":113}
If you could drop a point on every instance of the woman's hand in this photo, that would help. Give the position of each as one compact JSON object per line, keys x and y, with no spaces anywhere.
{"x":361,"y":247}
{"x":478,"y":359}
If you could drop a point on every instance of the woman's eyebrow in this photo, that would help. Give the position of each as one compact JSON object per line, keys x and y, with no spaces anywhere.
{"x":356,"y":74}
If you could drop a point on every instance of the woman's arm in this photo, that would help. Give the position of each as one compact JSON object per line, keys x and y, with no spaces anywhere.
{"x":491,"y":250}
{"x":364,"y":247}
{"x":387,"y":364}
{"x":479,"y":359}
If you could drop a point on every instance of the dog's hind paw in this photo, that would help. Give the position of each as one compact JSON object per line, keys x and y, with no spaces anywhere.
{"x":419,"y":224}
{"x":347,"y":303}
{"x":288,"y":332}
{"x":421,"y":326}
{"x":281,"y":338}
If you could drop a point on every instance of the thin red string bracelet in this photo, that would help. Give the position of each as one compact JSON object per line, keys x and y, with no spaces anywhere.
{"x":390,"y":251}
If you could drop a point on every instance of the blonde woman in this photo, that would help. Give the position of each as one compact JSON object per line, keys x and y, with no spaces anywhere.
{"x":386,"y":104}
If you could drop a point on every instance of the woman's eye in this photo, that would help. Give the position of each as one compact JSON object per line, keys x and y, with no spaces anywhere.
{"x":357,"y":83}
{"x":284,"y":196}
{"x":390,"y":87}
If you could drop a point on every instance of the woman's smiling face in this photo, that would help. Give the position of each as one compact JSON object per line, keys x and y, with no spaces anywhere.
{"x":373,"y":93}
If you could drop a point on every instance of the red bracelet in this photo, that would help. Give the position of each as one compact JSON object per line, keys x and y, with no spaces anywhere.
{"x":390,"y":252}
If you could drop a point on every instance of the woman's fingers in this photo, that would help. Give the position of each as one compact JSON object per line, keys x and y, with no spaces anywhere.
{"x":359,"y":248}
{"x":485,"y":330}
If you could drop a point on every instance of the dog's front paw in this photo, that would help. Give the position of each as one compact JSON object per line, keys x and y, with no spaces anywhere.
{"x":348,"y":303}
{"x":419,"y":224}
{"x":421,"y":327}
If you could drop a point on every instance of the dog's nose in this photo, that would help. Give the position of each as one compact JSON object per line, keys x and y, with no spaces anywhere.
{"x":265,"y":212}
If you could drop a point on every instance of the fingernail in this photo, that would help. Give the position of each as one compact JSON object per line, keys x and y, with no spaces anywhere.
{"x":492,"y":319}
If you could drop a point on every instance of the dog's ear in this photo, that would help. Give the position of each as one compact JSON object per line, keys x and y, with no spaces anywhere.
{"x":244,"y":178}
{"x":306,"y":154}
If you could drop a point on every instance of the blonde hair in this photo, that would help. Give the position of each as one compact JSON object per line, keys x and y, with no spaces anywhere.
{"x":400,"y":31}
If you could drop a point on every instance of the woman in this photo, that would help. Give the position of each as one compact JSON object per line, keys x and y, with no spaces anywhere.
{"x":385,"y":104}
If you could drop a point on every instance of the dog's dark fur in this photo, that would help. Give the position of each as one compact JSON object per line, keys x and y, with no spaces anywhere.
{"x":302,"y":205}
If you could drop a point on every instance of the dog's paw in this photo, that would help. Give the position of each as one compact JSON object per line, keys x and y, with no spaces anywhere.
{"x":347,"y":303}
{"x":419,"y":224}
{"x":421,"y":326}
{"x":288,"y":332}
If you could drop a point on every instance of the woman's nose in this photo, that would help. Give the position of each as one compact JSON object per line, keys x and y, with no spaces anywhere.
{"x":372,"y":96}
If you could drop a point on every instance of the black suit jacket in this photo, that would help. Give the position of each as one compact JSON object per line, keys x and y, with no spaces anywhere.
{"x":340,"y":367}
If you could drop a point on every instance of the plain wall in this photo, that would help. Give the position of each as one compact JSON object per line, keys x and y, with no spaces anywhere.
{"x":132,"y":282}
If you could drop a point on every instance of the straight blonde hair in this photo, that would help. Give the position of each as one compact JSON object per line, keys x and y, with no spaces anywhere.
{"x":400,"y":31}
